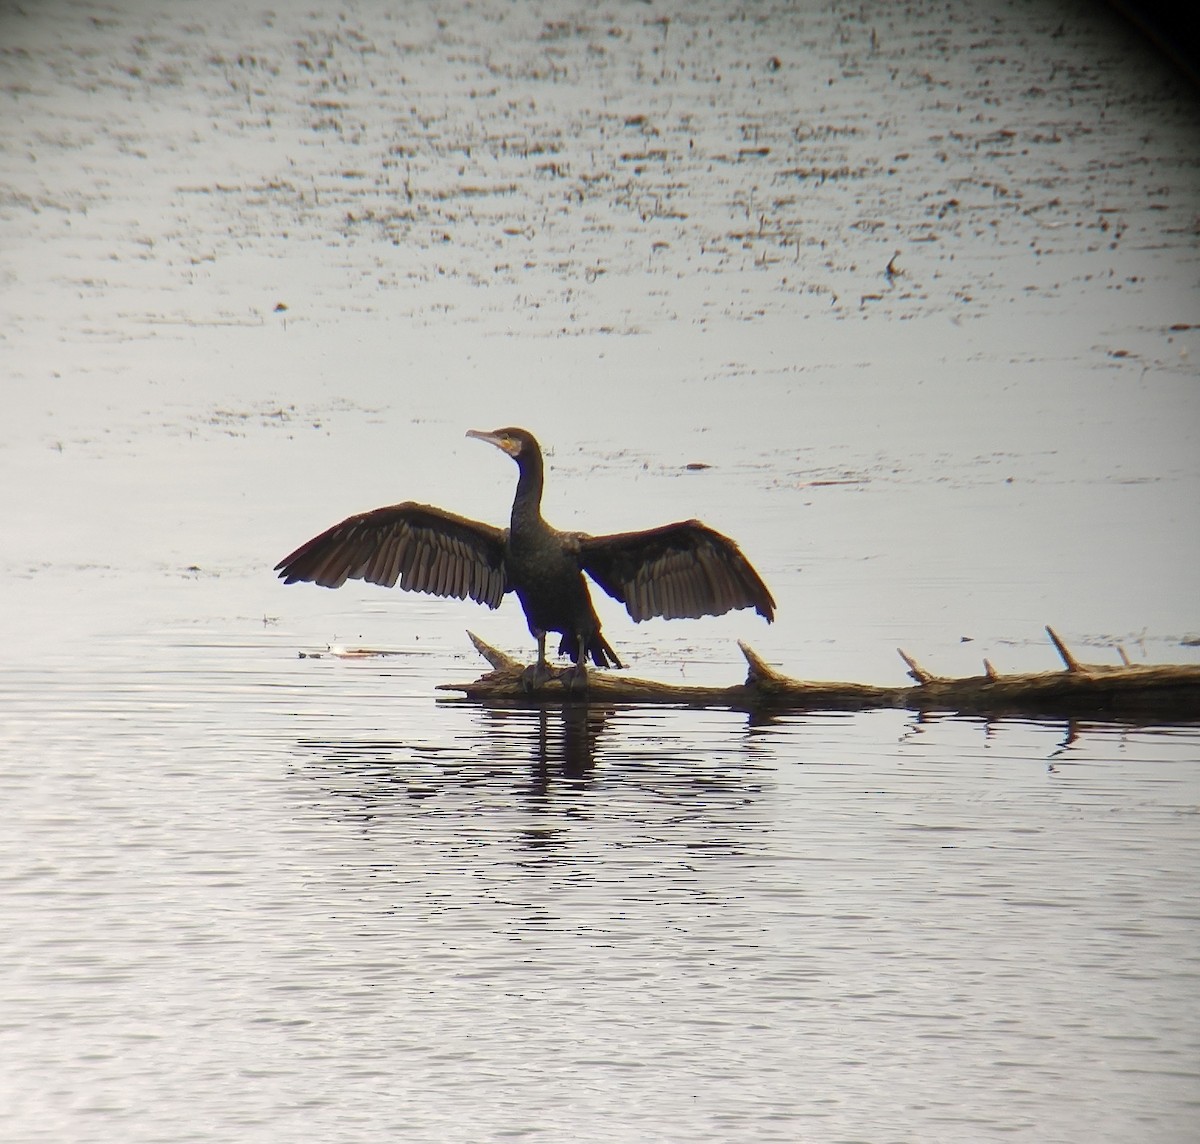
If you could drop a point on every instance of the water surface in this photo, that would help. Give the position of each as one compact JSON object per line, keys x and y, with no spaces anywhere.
{"x":262,"y":268}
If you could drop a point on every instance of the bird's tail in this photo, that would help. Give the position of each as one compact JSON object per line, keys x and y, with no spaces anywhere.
{"x":596,"y":646}
{"x":602,"y":654}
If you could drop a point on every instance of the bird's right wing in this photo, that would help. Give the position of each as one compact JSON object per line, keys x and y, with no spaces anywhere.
{"x":426,"y":549}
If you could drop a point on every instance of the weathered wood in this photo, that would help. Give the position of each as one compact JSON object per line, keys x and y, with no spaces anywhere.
{"x":765,"y":686}
{"x":508,"y":682}
{"x":1169,"y":692}
{"x":1069,"y":661}
{"x":1080,"y":689}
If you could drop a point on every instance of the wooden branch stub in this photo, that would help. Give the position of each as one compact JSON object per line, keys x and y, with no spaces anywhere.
{"x":767,"y":687}
{"x":915,"y":670}
{"x":1072,"y":664}
{"x":757,"y":667}
{"x":499,"y":660}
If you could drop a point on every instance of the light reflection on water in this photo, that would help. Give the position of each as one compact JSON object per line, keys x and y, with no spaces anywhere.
{"x":252,"y":897}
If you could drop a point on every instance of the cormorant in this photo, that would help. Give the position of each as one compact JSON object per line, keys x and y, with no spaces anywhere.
{"x":679,"y":570}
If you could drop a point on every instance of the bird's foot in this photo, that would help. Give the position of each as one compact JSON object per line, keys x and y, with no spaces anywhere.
{"x":534,"y":677}
{"x":575,"y":679}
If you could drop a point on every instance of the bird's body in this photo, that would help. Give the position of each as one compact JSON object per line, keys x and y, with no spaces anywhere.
{"x":545,"y":571}
{"x":679,"y":570}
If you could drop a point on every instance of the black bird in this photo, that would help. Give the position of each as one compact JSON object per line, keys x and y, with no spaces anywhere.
{"x":679,"y":570}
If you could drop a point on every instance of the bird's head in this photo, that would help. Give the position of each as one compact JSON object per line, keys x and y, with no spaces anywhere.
{"x":519,"y":444}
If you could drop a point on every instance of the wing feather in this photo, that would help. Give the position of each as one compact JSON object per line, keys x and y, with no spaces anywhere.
{"x":380,"y":565}
{"x":425,"y":549}
{"x":681,"y":570}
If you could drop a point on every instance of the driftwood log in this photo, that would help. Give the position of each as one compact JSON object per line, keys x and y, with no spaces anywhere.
{"x":1125,"y":690}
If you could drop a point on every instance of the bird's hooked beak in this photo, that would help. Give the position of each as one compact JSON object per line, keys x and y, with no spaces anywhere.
{"x":502,"y":440}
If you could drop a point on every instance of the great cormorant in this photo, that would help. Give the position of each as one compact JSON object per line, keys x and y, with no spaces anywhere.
{"x":681,"y":570}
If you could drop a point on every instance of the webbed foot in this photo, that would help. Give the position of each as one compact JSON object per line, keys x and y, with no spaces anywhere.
{"x":575,"y":679}
{"x":533,"y":677}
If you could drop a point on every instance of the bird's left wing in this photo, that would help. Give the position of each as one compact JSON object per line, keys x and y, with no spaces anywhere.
{"x":678,"y":571}
{"x":426,"y":549}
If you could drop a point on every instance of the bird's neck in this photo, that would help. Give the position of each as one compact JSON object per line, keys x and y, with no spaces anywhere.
{"x":527,"y":504}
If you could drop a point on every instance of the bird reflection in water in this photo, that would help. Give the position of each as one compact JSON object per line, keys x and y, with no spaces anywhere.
{"x":556,"y":742}
{"x":566,"y":742}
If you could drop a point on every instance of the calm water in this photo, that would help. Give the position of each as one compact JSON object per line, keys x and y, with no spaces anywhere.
{"x":262,"y":268}
{"x":256,"y":896}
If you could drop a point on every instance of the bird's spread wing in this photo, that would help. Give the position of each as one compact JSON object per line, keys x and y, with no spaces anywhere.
{"x":681,"y":570}
{"x":424,"y":548}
